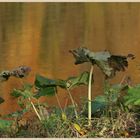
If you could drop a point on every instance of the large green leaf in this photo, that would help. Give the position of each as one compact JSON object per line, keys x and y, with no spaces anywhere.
{"x":1,"y":100}
{"x":71,"y":82}
{"x":46,"y":86}
{"x":133,"y":96}
{"x":42,"y":82}
{"x":82,"y":79}
{"x":47,"y":91}
{"x":108,"y":63}
{"x":99,"y":104}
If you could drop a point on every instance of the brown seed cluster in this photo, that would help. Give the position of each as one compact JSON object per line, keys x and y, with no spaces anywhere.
{"x":19,"y":72}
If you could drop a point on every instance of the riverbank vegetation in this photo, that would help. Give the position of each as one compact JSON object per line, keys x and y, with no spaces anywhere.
{"x":113,"y":114}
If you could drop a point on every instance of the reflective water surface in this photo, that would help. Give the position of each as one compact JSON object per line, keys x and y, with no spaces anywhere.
{"x":40,"y":35}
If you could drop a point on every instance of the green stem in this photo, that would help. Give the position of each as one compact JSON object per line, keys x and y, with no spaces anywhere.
{"x":58,"y":102}
{"x":89,"y":96}
{"x":72,"y":101}
{"x":21,"y":81}
{"x":40,"y":110}
{"x":34,"y":109}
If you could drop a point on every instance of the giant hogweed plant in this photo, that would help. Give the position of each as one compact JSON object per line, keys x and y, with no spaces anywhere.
{"x":108,"y":63}
{"x":49,"y":87}
{"x":43,"y":83}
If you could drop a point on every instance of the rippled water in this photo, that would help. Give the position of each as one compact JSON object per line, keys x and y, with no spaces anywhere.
{"x":40,"y":35}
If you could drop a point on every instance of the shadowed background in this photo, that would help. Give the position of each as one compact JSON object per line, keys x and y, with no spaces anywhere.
{"x":40,"y":35}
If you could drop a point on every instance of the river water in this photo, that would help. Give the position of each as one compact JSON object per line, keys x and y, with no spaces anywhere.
{"x":40,"y":35}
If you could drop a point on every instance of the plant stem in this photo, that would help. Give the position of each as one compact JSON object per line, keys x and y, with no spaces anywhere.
{"x":66,"y":102}
{"x":58,"y":102}
{"x":34,"y":109}
{"x":40,"y":110}
{"x":89,"y":96}
{"x":75,"y":111}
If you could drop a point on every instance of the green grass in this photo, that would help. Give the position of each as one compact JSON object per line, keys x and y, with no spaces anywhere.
{"x":121,"y":124}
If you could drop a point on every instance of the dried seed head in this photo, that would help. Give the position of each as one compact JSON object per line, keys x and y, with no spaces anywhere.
{"x":21,"y":71}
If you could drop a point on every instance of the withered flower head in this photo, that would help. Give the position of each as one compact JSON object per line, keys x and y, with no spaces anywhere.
{"x":21,"y":71}
{"x":108,"y":63}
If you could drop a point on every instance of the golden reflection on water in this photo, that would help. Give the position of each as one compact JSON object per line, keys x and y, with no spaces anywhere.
{"x":40,"y":35}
